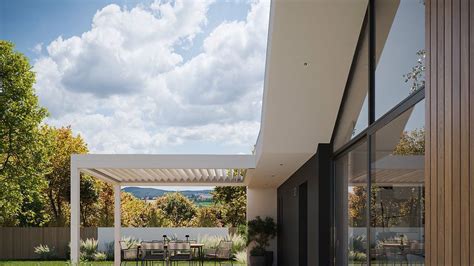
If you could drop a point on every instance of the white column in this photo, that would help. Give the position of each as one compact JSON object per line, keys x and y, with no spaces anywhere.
{"x":75,"y":217}
{"x":117,"y":225}
{"x":263,"y":202}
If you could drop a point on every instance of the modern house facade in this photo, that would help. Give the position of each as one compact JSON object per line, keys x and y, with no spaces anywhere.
{"x":393,"y":181}
{"x":366,"y":148}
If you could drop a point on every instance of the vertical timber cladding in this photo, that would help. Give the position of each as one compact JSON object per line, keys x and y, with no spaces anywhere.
{"x":450,"y":132}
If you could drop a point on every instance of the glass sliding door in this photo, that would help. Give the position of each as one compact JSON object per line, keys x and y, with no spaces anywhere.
{"x":397,"y":187}
{"x":379,"y":142}
{"x":351,"y":206}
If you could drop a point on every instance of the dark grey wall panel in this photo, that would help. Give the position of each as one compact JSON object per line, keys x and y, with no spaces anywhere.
{"x":312,"y":172}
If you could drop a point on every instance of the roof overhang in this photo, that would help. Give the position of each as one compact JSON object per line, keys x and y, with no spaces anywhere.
{"x":159,"y":169}
{"x":311,"y":45}
{"x":310,"y":50}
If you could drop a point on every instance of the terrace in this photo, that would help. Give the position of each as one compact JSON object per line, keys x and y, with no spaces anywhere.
{"x":150,"y":170}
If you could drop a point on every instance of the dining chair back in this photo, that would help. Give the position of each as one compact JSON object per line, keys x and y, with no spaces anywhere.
{"x":153,"y":250}
{"x":224,"y":250}
{"x":180,"y":250}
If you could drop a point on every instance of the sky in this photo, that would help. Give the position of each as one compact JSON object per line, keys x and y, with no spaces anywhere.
{"x":167,"y":77}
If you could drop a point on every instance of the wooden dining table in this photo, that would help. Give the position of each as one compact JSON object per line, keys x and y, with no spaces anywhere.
{"x":196,"y":246}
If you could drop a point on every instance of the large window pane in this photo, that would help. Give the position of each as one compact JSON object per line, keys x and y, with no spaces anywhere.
{"x":354,"y":117}
{"x":397,"y":190}
{"x":399,"y":50}
{"x":351,"y":206}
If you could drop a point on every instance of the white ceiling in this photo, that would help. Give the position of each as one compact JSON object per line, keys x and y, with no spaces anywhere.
{"x":310,"y":49}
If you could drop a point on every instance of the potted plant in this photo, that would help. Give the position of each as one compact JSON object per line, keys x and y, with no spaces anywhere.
{"x":260,"y":232}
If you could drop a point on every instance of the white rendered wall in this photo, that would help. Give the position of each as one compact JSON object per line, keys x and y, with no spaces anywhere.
{"x":263,"y":202}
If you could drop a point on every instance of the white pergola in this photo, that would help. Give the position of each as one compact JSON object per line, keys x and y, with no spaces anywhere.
{"x":150,"y":170}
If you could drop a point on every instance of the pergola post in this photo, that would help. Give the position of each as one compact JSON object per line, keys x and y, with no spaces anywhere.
{"x":75,"y":214}
{"x":117,"y":225}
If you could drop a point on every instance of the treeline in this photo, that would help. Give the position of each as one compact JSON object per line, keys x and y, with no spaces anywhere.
{"x":35,"y":170}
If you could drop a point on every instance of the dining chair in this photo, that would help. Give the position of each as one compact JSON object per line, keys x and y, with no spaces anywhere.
{"x":222,"y":253}
{"x":180,"y":251}
{"x":153,"y":251}
{"x":128,"y":253}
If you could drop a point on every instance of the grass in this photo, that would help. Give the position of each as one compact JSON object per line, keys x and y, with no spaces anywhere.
{"x":62,"y":263}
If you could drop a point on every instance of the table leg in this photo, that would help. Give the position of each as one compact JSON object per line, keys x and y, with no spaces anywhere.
{"x":201,"y":256}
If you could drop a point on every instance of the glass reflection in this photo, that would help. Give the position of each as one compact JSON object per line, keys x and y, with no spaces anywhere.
{"x":354,"y":117}
{"x":397,"y":190}
{"x":399,"y":51}
{"x":351,"y":176}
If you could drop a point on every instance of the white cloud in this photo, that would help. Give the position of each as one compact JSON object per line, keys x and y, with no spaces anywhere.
{"x":125,"y":89}
{"x":38,"y":48}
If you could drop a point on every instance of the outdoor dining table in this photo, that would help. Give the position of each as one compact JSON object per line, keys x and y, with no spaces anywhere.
{"x":195,"y":246}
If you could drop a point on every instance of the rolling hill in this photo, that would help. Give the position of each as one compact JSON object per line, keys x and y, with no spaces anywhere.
{"x":143,"y":193}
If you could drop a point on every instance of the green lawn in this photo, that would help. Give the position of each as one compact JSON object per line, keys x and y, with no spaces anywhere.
{"x":62,"y":263}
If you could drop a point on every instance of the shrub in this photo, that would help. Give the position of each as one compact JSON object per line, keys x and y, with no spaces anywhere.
{"x":100,"y":256}
{"x":131,"y":242}
{"x":88,"y":249}
{"x":212,"y":242}
{"x":238,"y":243}
{"x":260,"y":232}
{"x":44,"y":252}
{"x":241,"y":257}
{"x":357,"y":256}
{"x":358,"y":243}
{"x":109,"y":250}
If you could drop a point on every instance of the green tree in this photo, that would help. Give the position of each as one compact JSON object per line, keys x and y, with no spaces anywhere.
{"x":24,"y":154}
{"x":178,"y":209}
{"x":233,"y":202}
{"x":58,"y":190}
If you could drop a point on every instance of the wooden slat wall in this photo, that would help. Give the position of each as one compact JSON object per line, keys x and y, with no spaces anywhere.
{"x":19,"y":242}
{"x":449,"y":155}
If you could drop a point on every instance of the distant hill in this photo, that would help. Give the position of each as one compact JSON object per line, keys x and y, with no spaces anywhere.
{"x":143,"y":193}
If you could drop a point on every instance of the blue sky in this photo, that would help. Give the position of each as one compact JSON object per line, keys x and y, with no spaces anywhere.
{"x":167,"y":77}
{"x":147,"y":76}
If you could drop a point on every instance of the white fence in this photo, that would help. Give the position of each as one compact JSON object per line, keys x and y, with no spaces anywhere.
{"x":105,"y":235}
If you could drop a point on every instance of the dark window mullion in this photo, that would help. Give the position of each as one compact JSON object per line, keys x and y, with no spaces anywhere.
{"x":371,"y":109}
{"x":372,"y":63}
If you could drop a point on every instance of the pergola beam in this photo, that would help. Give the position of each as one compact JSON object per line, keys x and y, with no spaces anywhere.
{"x":75,"y":213}
{"x":169,"y":161}
{"x":117,"y":225}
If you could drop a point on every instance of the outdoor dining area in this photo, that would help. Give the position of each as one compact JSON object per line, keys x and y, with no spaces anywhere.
{"x":172,"y":252}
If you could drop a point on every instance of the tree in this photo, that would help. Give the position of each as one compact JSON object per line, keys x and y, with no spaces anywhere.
{"x":105,"y":205}
{"x":207,"y":217}
{"x":133,"y":211}
{"x":233,"y":201}
{"x":178,"y":209}
{"x":411,"y":143}
{"x":23,"y":153}
{"x":58,"y":190}
{"x":156,"y":217}
{"x":417,"y":73}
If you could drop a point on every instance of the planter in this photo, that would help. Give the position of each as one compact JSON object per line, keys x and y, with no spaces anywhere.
{"x":257,"y":261}
{"x":265,"y":260}
{"x":268,"y":258}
